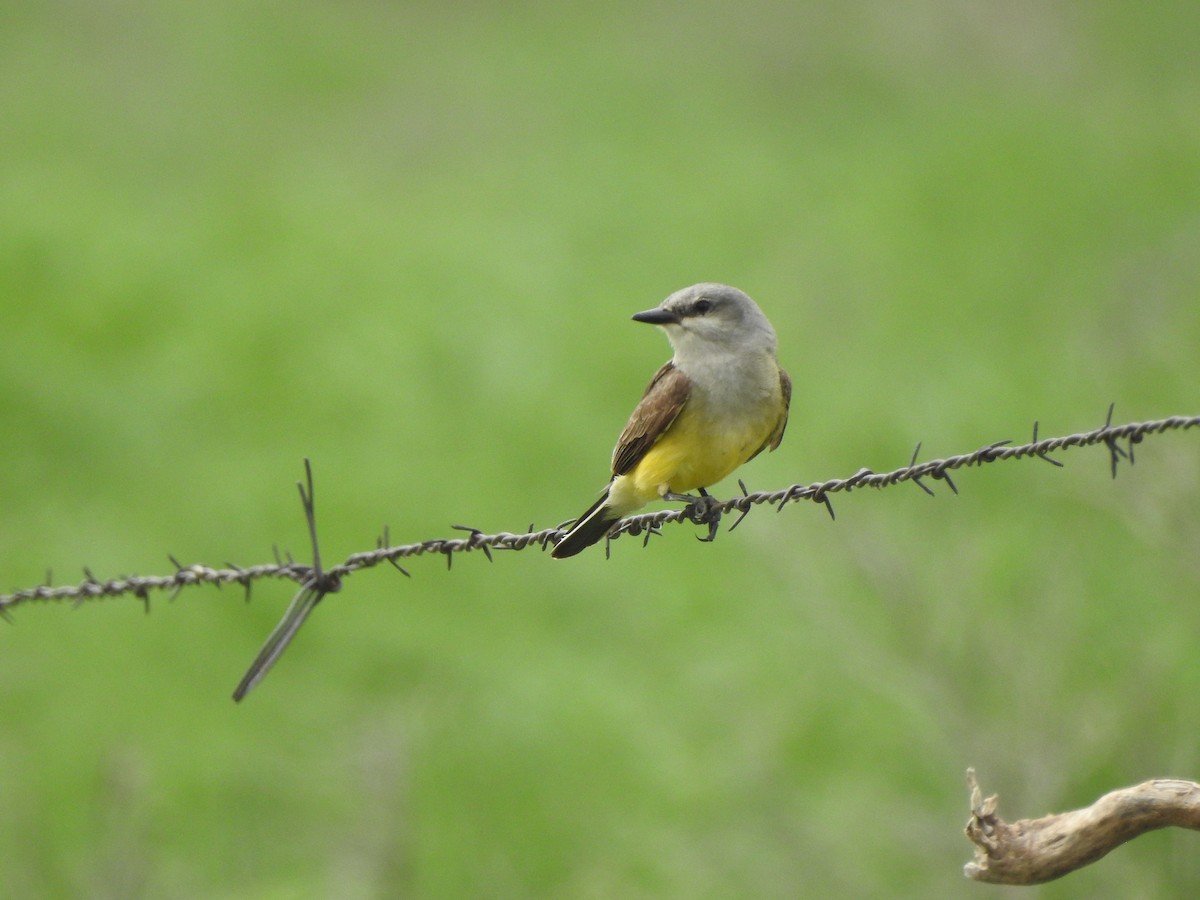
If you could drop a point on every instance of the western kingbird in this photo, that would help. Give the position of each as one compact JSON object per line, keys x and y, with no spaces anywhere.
{"x":718,"y":403}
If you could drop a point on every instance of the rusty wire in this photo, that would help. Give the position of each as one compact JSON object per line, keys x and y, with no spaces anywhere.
{"x":313,"y":577}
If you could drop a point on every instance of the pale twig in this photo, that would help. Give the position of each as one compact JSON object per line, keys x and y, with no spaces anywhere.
{"x":1032,"y":851}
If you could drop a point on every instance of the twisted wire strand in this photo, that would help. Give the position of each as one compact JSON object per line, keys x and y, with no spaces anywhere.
{"x":329,"y":580}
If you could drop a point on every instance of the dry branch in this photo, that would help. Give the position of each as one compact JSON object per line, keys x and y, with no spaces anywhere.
{"x":1033,"y":851}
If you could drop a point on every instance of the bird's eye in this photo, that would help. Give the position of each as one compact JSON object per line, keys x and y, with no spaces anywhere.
{"x":703,"y":306}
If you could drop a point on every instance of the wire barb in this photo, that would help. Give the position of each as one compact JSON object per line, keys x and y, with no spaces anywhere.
{"x":475,"y":541}
{"x":312,"y":591}
{"x":945,"y":476}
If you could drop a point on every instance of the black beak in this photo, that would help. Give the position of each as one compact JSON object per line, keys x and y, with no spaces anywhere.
{"x":657,"y":316}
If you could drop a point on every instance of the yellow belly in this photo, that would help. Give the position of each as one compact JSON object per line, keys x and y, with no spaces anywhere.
{"x":692,"y":454}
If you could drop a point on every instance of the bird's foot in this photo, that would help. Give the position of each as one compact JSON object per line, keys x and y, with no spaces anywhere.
{"x":703,"y":510}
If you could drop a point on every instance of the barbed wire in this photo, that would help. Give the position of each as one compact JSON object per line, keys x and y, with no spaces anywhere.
{"x":316,"y":581}
{"x":706,"y":511}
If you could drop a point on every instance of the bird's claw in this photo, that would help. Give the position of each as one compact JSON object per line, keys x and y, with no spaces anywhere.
{"x":702,"y":510}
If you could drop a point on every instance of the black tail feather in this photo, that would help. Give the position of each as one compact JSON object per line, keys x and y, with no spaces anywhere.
{"x":588,"y":528}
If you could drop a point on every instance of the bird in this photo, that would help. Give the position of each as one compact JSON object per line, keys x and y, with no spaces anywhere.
{"x":720,"y":401}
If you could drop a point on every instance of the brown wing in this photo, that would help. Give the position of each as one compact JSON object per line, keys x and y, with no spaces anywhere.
{"x":776,"y":436}
{"x":660,"y":405}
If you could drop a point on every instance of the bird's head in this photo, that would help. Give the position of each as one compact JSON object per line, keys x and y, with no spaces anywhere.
{"x":707,"y":317}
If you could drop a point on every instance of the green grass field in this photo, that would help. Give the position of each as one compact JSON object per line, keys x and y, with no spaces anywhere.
{"x":405,"y":241}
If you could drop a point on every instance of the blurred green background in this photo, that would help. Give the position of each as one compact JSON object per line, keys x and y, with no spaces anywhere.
{"x":405,"y":240}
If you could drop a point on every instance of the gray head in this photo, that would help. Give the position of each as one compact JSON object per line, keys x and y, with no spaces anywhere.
{"x":707,"y":318}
